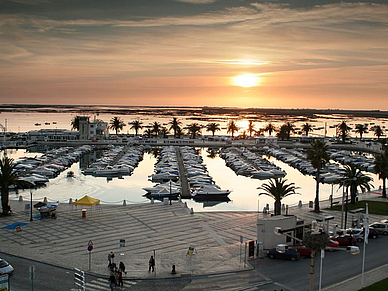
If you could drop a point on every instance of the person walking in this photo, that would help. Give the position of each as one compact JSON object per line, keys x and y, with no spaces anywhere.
{"x":110,"y":256}
{"x":151,"y":264}
{"x":122,"y":268}
{"x":112,"y":281}
{"x":120,"y":279}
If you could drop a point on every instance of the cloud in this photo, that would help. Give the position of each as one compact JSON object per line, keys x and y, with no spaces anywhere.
{"x":196,"y":1}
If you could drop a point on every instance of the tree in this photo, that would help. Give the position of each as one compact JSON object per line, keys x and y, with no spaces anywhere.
{"x":381,"y":168}
{"x":282,"y":133}
{"x":75,"y":122}
{"x":8,"y":177}
{"x":269,"y":128}
{"x":179,"y":132}
{"x":378,"y":131}
{"x":213,"y":127}
{"x":306,"y":128}
{"x":353,"y":178}
{"x":318,"y":156}
{"x":290,"y":128}
{"x":194,"y":129}
{"x":117,"y":124}
{"x":136,"y":125}
{"x":232,"y":127}
{"x":361,"y":129}
{"x":278,"y":189}
{"x":156,"y":127}
{"x":314,"y":241}
{"x":164,"y":132}
{"x":175,"y":124}
{"x":148,"y":132}
{"x":343,"y":131}
{"x":251,"y":128}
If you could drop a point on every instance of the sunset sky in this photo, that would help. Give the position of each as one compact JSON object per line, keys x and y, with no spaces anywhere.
{"x":293,"y":54}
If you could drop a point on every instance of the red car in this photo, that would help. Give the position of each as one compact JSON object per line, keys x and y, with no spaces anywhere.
{"x":345,"y":240}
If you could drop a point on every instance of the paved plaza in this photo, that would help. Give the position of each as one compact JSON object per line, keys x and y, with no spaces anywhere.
{"x":169,"y":230}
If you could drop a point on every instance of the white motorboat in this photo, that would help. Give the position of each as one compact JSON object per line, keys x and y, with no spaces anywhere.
{"x":208,"y":190}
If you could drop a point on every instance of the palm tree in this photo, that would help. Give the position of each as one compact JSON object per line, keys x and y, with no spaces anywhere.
{"x":361,"y":129}
{"x":8,"y":177}
{"x":232,"y":127}
{"x":164,"y":132}
{"x":289,"y":128}
{"x":179,"y":132}
{"x":381,"y":168}
{"x":117,"y":124}
{"x":194,"y":129}
{"x":136,"y":125}
{"x":251,"y":128}
{"x":307,"y":128}
{"x":270,"y":128}
{"x":343,"y":131}
{"x":353,"y":178}
{"x":278,"y":189}
{"x":156,"y":127}
{"x":75,"y":123}
{"x":148,"y":132}
{"x":378,"y":131}
{"x":282,"y":133}
{"x":318,"y":156}
{"x":175,"y":124}
{"x":213,"y":127}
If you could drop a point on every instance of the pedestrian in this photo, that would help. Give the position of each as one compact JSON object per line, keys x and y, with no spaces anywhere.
{"x":151,"y":263}
{"x":112,"y":281}
{"x":120,"y":280}
{"x":122,"y":268}
{"x":113,"y":267}
{"x":110,"y":259}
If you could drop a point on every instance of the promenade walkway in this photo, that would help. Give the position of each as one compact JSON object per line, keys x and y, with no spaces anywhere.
{"x":169,"y":230}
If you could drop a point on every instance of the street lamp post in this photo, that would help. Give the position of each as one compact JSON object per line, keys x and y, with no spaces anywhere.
{"x":31,"y":206}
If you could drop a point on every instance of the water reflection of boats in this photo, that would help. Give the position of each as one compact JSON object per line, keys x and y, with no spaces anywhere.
{"x":211,"y":202}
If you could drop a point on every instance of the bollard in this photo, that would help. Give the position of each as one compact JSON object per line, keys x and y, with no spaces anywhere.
{"x":20,"y":198}
{"x":152,"y":201}
{"x":173,"y":270}
{"x":70,"y":201}
{"x":191,"y":210}
{"x":286,"y":209}
{"x":186,"y":204}
{"x":45,"y":200}
{"x":300,"y":203}
{"x":124,"y":203}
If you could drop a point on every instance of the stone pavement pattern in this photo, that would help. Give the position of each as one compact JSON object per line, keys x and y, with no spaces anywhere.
{"x":167,"y":229}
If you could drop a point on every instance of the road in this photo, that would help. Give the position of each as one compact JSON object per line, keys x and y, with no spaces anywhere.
{"x":268,"y":275}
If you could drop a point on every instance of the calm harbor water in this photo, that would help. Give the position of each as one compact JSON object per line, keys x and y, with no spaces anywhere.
{"x":244,"y":194}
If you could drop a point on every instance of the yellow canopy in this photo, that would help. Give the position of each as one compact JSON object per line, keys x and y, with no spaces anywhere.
{"x":86,"y":200}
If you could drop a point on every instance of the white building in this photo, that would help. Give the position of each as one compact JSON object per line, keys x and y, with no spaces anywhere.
{"x":92,"y":130}
{"x":52,"y":135}
{"x":288,"y":223}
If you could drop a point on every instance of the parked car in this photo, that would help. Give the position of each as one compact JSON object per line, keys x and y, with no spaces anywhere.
{"x":333,"y":244}
{"x":288,"y":254}
{"x":373,"y":233}
{"x":381,"y":228}
{"x":5,"y":267}
{"x":302,"y":250}
{"x":358,"y":233}
{"x":345,"y":240}
{"x":384,"y":220}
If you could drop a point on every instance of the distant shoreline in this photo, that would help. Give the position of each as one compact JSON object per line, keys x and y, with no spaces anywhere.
{"x":186,"y":111}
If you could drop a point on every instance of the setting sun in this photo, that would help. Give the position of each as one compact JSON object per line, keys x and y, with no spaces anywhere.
{"x":247,"y":80}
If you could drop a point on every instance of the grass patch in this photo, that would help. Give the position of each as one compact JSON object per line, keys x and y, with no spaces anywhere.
{"x":379,"y":286}
{"x":375,"y":207}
